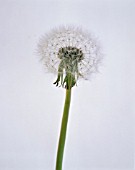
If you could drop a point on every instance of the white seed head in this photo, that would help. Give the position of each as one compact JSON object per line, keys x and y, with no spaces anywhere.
{"x":69,"y":49}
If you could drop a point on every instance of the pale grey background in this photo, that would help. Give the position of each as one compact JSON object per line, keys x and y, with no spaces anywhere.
{"x":100,"y":129}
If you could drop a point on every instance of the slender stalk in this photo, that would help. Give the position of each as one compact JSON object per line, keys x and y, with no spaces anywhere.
{"x":62,"y":137}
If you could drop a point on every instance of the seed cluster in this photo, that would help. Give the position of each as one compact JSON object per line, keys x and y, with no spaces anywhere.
{"x":71,"y":53}
{"x":70,"y":50}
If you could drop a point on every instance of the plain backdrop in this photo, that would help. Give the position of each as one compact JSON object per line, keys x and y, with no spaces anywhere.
{"x":100,"y":130}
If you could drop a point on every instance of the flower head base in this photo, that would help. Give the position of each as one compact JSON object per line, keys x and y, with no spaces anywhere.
{"x":70,"y":57}
{"x":70,"y":53}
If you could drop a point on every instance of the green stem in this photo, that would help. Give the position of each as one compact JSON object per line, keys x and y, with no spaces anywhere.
{"x":62,"y":137}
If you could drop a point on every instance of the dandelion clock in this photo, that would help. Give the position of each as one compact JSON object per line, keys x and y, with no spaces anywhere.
{"x":71,"y":54}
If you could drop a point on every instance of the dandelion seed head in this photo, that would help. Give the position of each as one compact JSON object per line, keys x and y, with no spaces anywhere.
{"x":70,"y":50}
